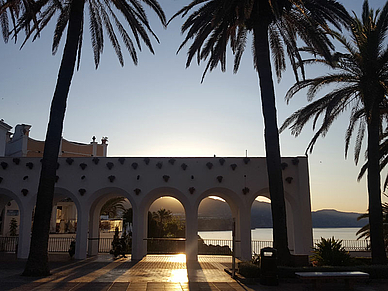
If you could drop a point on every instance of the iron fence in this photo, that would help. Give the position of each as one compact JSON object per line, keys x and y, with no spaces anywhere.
{"x":173,"y":245}
{"x":8,"y":244}
{"x":352,"y":245}
{"x":59,"y":244}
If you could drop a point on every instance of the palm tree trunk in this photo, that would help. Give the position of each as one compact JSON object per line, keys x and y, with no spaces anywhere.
{"x":374,"y":191}
{"x":37,"y":263}
{"x":272,"y":147}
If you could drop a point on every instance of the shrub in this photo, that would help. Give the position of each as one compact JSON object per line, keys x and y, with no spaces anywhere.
{"x":330,"y":252}
{"x":249,"y":270}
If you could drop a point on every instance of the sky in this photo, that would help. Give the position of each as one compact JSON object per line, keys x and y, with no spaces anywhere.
{"x":160,"y":108}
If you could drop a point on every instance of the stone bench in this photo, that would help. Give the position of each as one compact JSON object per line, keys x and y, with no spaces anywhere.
{"x":318,"y":277}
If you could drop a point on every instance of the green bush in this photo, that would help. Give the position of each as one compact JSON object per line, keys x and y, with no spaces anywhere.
{"x":249,"y":270}
{"x":330,"y":252}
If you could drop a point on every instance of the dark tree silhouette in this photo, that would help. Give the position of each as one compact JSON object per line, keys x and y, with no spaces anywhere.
{"x":361,"y":79}
{"x":276,"y":26}
{"x":71,"y":15}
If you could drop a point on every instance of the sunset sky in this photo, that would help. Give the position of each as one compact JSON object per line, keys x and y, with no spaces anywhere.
{"x":159,"y":108}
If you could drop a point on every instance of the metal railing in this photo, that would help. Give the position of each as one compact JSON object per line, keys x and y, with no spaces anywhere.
{"x":59,"y":244}
{"x":257,"y":245}
{"x":352,"y":245}
{"x":8,"y":244}
{"x":173,"y":245}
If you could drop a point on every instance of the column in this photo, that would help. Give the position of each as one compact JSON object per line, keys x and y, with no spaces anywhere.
{"x":243,"y":224}
{"x":94,"y":233}
{"x":53,"y":221}
{"x":82,"y":232}
{"x":139,"y":233}
{"x":25,"y":230}
{"x":191,"y":234}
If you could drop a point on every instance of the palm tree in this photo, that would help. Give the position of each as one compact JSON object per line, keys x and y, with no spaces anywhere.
{"x":10,"y":11}
{"x":113,"y":207}
{"x":71,"y":14}
{"x":276,"y":26}
{"x":163,"y":215}
{"x":361,"y":77}
{"x":364,"y":232}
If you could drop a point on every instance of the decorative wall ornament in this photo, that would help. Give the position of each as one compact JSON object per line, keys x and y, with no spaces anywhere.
{"x":146,"y":161}
{"x":111,"y":178}
{"x":289,"y":180}
{"x":191,"y":190}
{"x":209,"y":165}
{"x":219,"y":178}
{"x":4,"y":165}
{"x":30,"y":165}
{"x":82,"y":191}
{"x":295,"y":161}
{"x":134,"y":166}
{"x":222,"y":161}
{"x":159,"y":165}
{"x":25,"y":178}
{"x":121,"y":160}
{"x":166,"y":178}
{"x":83,"y":166}
{"x":110,"y":165}
{"x":246,"y":160}
{"x":95,"y":160}
{"x":16,"y":161}
{"x":25,"y":192}
{"x":184,"y":166}
{"x":245,"y":190}
{"x":137,"y":191}
{"x":69,"y":161}
{"x":172,"y":161}
{"x":284,"y":166}
{"x":233,"y":166}
{"x":83,"y":177}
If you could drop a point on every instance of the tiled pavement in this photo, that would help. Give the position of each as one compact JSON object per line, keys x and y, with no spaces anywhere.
{"x":154,"y":272}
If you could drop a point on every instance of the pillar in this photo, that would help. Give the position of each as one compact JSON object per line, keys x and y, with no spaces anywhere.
{"x":53,"y":221}
{"x":139,"y":232}
{"x":25,"y":229}
{"x":191,"y":234}
{"x":243,"y":226}
{"x":94,"y":232}
{"x":82,"y":232}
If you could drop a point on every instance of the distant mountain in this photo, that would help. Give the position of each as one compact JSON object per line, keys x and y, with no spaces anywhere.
{"x":216,"y":215}
{"x":333,"y":218}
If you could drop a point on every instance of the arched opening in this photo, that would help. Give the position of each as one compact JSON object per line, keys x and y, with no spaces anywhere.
{"x":166,"y":228}
{"x":215,"y":226}
{"x":261,"y":223}
{"x":9,"y":224}
{"x":111,"y":223}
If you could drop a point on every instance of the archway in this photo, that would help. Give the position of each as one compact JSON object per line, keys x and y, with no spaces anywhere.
{"x":12,"y":208}
{"x":111,"y":213}
{"x":261,"y":221}
{"x":215,"y":226}
{"x":166,"y":227}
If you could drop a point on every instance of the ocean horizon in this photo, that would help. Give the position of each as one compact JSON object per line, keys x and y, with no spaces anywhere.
{"x":265,"y":234}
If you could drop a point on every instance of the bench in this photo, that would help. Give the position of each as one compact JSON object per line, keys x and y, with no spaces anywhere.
{"x":318,"y":277}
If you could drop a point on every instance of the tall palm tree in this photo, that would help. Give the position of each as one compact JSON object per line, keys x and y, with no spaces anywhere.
{"x":361,"y":79}
{"x":276,"y":26}
{"x":71,"y":15}
{"x":10,"y":10}
{"x":113,"y":207}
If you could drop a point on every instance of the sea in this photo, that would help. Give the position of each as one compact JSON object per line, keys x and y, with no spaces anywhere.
{"x":265,"y":234}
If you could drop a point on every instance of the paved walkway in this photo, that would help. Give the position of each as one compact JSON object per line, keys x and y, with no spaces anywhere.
{"x":154,"y":272}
